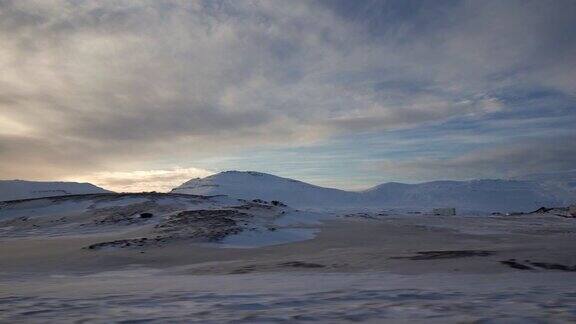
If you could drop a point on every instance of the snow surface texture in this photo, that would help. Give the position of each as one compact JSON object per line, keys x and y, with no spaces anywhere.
{"x":148,"y":296}
{"x":474,"y":195}
{"x":20,"y":189}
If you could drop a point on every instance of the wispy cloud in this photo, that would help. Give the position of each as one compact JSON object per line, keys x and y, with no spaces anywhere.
{"x":511,"y":160}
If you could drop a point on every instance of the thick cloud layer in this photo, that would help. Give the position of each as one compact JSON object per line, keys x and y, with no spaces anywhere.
{"x":116,"y":86}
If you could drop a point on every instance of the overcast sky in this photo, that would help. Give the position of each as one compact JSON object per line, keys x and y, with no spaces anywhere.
{"x":143,"y":95}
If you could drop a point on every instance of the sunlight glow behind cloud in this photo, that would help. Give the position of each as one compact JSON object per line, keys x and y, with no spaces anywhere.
{"x":149,"y":180}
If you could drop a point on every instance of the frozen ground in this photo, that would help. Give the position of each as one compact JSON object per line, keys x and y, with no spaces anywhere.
{"x":222,"y":260}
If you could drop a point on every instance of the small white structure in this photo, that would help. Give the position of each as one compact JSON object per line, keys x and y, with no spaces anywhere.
{"x":572,"y":210}
{"x":444,"y":211}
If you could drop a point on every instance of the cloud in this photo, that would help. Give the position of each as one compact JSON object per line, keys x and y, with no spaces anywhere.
{"x":132,"y":85}
{"x":149,"y":180}
{"x":519,"y":159}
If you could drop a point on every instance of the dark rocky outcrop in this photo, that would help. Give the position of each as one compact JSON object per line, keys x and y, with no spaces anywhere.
{"x":434,"y":255}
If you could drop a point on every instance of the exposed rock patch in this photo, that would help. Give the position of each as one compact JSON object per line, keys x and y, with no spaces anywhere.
{"x":300,"y":264}
{"x":196,"y":225}
{"x":531,"y":265}
{"x":138,"y":242}
{"x":213,"y":225}
{"x":290,"y":264}
{"x":435,"y":255}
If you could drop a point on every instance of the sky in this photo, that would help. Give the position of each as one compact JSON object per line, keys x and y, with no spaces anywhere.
{"x":144,"y":95}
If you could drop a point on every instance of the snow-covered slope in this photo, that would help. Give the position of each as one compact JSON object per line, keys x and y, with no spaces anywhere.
{"x":256,"y":185}
{"x":474,"y":195}
{"x":20,"y":189}
{"x":159,"y":219}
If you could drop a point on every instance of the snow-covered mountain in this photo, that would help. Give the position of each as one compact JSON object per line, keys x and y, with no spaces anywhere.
{"x":561,"y":180}
{"x":20,"y":189}
{"x":256,"y":185}
{"x":480,"y":195}
{"x":476,"y":195}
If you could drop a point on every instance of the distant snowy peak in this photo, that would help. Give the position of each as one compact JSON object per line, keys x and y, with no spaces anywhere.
{"x":257,"y":185}
{"x":233,"y":178}
{"x":481,"y":195}
{"x":21,"y":189}
{"x":452,"y":185}
{"x":243,"y":178}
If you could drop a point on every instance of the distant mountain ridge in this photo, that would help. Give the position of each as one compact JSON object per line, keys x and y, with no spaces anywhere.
{"x":477,"y":195}
{"x":473,"y":195}
{"x":481,"y":195}
{"x":22,"y":189}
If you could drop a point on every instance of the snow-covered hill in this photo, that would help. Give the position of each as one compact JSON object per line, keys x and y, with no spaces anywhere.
{"x":20,"y":189}
{"x":474,"y":195}
{"x":158,"y":219}
{"x":256,"y":185}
